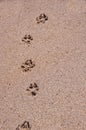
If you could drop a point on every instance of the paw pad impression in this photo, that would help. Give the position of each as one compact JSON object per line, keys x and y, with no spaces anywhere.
{"x":42,"y":18}
{"x":24,"y":126}
{"x":27,"y":39}
{"x":27,"y":65}
{"x":32,"y":89}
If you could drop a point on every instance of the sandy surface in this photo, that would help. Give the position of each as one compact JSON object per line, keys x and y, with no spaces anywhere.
{"x":58,"y":50}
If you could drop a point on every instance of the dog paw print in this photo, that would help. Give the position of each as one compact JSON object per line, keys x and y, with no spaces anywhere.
{"x":33,"y":89}
{"x":27,"y":39}
{"x":27,"y":65}
{"x":42,"y":18}
{"x":24,"y":126}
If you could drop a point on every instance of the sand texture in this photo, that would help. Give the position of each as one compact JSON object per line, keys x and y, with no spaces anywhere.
{"x":42,"y":64}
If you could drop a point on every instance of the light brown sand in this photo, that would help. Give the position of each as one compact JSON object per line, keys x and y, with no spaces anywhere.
{"x":59,"y":52}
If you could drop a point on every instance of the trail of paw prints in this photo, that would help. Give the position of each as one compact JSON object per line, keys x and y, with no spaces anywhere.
{"x":27,"y":39}
{"x":33,"y":89}
{"x":42,"y":18}
{"x":27,"y":65}
{"x":24,"y":126}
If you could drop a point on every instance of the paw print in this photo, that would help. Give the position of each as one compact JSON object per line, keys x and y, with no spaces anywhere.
{"x":24,"y":126}
{"x":42,"y":18}
{"x":27,"y":39}
{"x":32,"y":89}
{"x":27,"y":65}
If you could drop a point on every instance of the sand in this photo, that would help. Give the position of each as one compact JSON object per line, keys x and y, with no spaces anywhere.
{"x":58,"y":52}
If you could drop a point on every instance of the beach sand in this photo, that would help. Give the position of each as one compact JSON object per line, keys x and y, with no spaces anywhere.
{"x":43,"y":80}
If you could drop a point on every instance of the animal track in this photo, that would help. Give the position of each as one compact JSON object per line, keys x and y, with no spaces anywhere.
{"x":32,"y":89}
{"x":27,"y":65}
{"x":24,"y":126}
{"x":27,"y":39}
{"x":42,"y":18}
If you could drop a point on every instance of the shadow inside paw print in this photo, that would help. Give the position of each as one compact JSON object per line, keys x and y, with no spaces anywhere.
{"x":27,"y":65}
{"x":42,"y":18}
{"x":24,"y":126}
{"x":27,"y":39}
{"x":32,"y":89}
